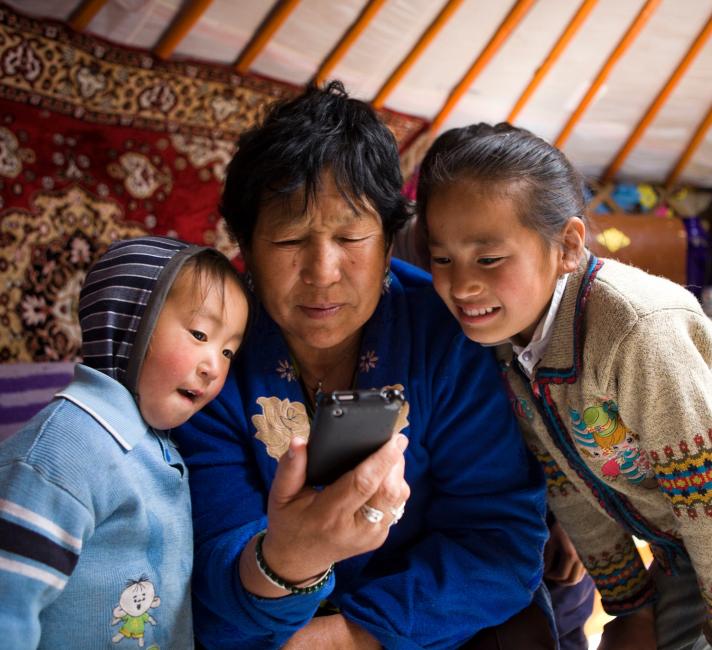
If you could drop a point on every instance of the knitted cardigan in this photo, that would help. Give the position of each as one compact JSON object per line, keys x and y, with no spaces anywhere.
{"x":619,"y":413}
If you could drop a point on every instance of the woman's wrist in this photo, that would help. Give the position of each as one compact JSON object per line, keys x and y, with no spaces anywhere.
{"x":294,"y":563}
{"x":305,"y":586}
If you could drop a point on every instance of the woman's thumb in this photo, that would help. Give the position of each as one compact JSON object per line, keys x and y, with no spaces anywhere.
{"x":291,"y":472}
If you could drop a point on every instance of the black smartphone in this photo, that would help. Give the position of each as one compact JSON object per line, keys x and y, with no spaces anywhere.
{"x":348,"y":426}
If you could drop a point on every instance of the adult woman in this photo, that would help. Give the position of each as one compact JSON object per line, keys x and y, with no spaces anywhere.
{"x":312,"y":195}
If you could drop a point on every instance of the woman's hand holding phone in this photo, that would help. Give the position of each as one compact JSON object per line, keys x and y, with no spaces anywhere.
{"x":310,"y":529}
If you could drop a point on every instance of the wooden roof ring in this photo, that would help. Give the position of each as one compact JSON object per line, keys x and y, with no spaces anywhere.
{"x":276,"y":17}
{"x":692,"y":145}
{"x":84,"y":13}
{"x":425,"y":39}
{"x":503,"y":32}
{"x":348,"y":39}
{"x":631,"y":33}
{"x":181,"y":25}
{"x":658,"y":102}
{"x":574,"y":24}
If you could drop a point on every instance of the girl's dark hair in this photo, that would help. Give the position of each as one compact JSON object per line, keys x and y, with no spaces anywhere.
{"x":506,"y":160}
{"x":210,"y":268}
{"x":298,"y":139}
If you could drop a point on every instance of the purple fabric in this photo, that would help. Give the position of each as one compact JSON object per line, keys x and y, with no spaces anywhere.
{"x":33,"y":380}
{"x":572,"y":608}
{"x":698,"y":254}
{"x":25,"y":388}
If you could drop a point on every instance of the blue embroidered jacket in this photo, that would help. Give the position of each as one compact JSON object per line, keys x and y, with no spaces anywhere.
{"x":466,"y":555}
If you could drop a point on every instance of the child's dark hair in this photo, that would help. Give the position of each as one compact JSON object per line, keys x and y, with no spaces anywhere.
{"x":319,"y":130}
{"x":505,"y":160}
{"x":210,"y":268}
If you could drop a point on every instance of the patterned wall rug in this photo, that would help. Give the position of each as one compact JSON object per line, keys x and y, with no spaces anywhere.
{"x":97,"y":143}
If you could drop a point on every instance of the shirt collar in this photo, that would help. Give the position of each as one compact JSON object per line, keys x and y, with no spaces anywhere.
{"x":109,"y":403}
{"x":531,"y":354}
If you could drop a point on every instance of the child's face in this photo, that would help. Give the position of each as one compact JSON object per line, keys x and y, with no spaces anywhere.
{"x":495,"y":275}
{"x":190,"y":350}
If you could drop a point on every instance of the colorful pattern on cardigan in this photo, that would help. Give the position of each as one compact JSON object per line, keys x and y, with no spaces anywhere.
{"x":614,"y":503}
{"x":621,"y":579}
{"x":686,"y":479}
{"x":600,"y":432}
{"x":556,"y":481}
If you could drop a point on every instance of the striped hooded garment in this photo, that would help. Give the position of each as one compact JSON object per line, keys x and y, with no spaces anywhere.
{"x":121,"y":299}
{"x":95,"y":503}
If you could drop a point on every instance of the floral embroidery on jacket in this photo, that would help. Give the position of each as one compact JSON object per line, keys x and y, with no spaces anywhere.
{"x":280,"y":421}
{"x":368,"y":361}
{"x":286,"y":370}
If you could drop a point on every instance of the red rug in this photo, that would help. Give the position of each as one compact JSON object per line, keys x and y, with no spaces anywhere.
{"x":99,"y":142}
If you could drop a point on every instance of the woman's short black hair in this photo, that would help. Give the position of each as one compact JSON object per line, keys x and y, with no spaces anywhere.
{"x":298,"y":139}
{"x":502,"y":159}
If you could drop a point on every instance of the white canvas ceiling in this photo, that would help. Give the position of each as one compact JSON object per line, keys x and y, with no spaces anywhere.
{"x":297,"y":49}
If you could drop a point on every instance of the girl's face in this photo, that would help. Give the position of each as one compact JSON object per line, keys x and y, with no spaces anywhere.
{"x":190,"y":351}
{"x":495,"y":275}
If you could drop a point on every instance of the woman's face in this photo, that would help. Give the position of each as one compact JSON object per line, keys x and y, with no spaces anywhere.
{"x":319,"y":274}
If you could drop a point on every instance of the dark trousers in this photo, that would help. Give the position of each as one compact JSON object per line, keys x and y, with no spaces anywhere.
{"x":527,"y":630}
{"x":572,"y":608}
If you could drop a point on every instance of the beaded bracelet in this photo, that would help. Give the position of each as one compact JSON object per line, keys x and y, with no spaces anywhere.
{"x":277,"y":581}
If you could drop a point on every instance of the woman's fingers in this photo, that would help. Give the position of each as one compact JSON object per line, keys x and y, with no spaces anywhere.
{"x":392,"y":494}
{"x":291,"y":473}
{"x":356,"y":487}
{"x":387,"y":503}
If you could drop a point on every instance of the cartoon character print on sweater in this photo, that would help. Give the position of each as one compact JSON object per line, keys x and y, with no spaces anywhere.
{"x":601,"y":434}
{"x":282,"y":419}
{"x":135,"y":601}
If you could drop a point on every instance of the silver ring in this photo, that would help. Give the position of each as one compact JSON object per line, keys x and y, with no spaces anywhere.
{"x":372,"y":515}
{"x":397,"y":513}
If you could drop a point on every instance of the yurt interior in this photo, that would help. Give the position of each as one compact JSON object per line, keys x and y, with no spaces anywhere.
{"x":119,"y":118}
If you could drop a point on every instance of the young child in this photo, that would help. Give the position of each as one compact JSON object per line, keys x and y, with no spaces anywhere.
{"x":608,"y":369}
{"x":96,"y":544}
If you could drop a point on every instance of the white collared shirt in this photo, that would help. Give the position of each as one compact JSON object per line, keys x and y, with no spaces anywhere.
{"x":530,"y":355}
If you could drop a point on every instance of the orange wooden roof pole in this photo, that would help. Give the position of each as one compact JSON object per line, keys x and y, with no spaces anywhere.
{"x":427,"y":37}
{"x":689,"y":150}
{"x":579,"y":18}
{"x":349,"y":38}
{"x":495,"y":43}
{"x":84,"y":13}
{"x":279,"y":13}
{"x":658,"y":102}
{"x":180,"y":27}
{"x":633,"y":30}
